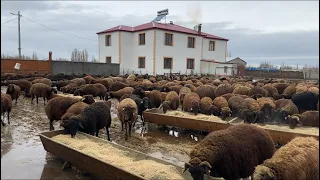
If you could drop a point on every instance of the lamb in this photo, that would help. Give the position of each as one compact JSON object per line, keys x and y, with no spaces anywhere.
{"x":223,"y":89}
{"x":171,"y":102}
{"x":60,"y":84}
{"x":127,"y":114}
{"x":70,"y":88}
{"x":206,"y":91}
{"x":93,"y":118}
{"x":236,"y":104}
{"x":155,"y":98}
{"x":191,"y":103}
{"x":6,"y":106}
{"x":24,"y":85}
{"x":266,"y":100}
{"x":257,"y":90}
{"x":183,"y":91}
{"x":252,"y":104}
{"x":286,"y":108}
{"x":42,"y":90}
{"x":95,"y":90}
{"x":116,"y":86}
{"x":46,"y":81}
{"x":73,"y":110}
{"x":79,"y":81}
{"x":307,"y":118}
{"x":118,"y":94}
{"x":298,"y":159}
{"x":58,"y":106}
{"x":273,"y":92}
{"x":206,"y":107}
{"x":305,"y":101}
{"x":14,"y":92}
{"x":241,"y":147}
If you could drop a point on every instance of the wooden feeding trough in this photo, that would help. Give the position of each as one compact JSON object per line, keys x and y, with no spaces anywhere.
{"x":153,"y":116}
{"x":93,"y":165}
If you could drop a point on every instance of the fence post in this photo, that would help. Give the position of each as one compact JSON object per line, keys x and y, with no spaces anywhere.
{"x":50,"y":63}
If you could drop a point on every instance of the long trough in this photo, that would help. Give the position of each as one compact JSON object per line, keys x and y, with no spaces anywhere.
{"x":93,"y":165}
{"x":278,"y":136}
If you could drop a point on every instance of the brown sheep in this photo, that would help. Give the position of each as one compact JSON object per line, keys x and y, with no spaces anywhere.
{"x":216,"y":82}
{"x":206,"y":91}
{"x":298,"y":159}
{"x":89,"y":79}
{"x":127,"y":114}
{"x":228,"y":96}
{"x":206,"y":107}
{"x":24,"y":85}
{"x":307,"y":118}
{"x":14,"y":91}
{"x":171,"y":102}
{"x":252,"y":104}
{"x":273,"y":92}
{"x":314,"y":90}
{"x":280,"y":86}
{"x":243,"y":90}
{"x":6,"y":106}
{"x":155,"y":98}
{"x":116,"y":86}
{"x":118,"y":94}
{"x":223,"y":89}
{"x":191,"y":103}
{"x":241,"y":147}
{"x":175,"y":88}
{"x":225,"y":112}
{"x":105,"y":81}
{"x":46,"y":81}
{"x":95,"y":90}
{"x":146,"y":84}
{"x":191,"y":87}
{"x":60,"y":84}
{"x":236,"y":104}
{"x":183,"y":91}
{"x":257,"y":90}
{"x":301,"y":88}
{"x":59,"y":105}
{"x":69,"y":88}
{"x":73,"y":110}
{"x":286,"y":108}
{"x":266,"y":100}
{"x":79,"y":81}
{"x":42,"y":90}
{"x":163,"y":95}
{"x":220,"y":102}
{"x":289,"y":91}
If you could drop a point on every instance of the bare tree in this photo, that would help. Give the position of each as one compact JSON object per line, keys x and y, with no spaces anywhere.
{"x":79,"y":55}
{"x":93,"y":59}
{"x":34,"y":56}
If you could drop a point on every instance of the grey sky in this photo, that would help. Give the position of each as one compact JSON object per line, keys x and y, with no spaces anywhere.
{"x":286,"y":31}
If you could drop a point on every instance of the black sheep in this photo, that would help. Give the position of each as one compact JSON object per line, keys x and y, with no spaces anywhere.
{"x":93,"y":118}
{"x":231,"y":153}
{"x":305,"y":101}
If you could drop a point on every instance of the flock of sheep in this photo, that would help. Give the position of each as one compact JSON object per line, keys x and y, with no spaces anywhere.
{"x":236,"y":152}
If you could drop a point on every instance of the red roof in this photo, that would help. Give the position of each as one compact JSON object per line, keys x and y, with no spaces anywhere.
{"x":168,"y":27}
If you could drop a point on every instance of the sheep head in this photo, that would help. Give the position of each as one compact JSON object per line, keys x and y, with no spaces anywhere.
{"x":214,"y":110}
{"x":225,"y":112}
{"x":294,"y":121}
{"x":267,"y":110}
{"x":128,"y":114}
{"x":87,"y":99}
{"x":10,"y":88}
{"x":262,"y":172}
{"x":198,"y":170}
{"x":73,"y":125}
{"x":146,"y":102}
{"x":195,"y":107}
{"x":165,"y":106}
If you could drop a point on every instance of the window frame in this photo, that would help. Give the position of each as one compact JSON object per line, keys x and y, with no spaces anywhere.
{"x":139,"y":40}
{"x":105,"y":40}
{"x":170,"y":64}
{"x":214,"y":45}
{"x":194,"y":42}
{"x":172,"y":40}
{"x":139,"y":62}
{"x":107,"y":59}
{"x":188,"y":58}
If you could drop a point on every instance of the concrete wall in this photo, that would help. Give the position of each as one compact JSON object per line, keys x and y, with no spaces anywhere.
{"x":277,"y":74}
{"x":67,"y":67}
{"x":217,"y":69}
{"x":312,"y":73}
{"x":219,"y":53}
{"x":112,"y":50}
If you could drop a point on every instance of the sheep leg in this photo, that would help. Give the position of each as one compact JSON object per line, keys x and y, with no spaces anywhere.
{"x":16,"y":101}
{"x":130,"y":126}
{"x":126,"y":136}
{"x":37,"y":99}
{"x":8,"y":115}
{"x":44,"y":100}
{"x":32,"y":97}
{"x":142,"y":119}
{"x":121,"y":126}
{"x":108,"y":135}
{"x":3,"y":124}
{"x":51,"y":125}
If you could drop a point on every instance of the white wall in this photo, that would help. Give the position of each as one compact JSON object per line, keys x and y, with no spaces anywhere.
{"x":112,"y":50}
{"x":126,"y":52}
{"x":216,"y":68}
{"x":179,"y":52}
{"x":219,"y":54}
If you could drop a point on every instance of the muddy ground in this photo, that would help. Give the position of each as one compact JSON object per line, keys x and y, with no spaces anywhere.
{"x":23,"y":156}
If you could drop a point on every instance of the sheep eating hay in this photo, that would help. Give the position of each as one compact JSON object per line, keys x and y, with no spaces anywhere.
{"x":299,"y":159}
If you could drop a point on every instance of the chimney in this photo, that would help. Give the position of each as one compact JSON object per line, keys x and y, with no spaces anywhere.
{"x":171,"y":22}
{"x":199,"y":28}
{"x":50,"y":56}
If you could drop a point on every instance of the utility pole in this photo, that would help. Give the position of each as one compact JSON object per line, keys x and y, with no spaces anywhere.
{"x":19,"y":33}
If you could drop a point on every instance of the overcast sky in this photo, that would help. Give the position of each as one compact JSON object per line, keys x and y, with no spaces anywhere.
{"x":286,"y":31}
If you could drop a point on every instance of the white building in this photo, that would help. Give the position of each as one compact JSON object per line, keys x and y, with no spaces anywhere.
{"x":157,"y":48}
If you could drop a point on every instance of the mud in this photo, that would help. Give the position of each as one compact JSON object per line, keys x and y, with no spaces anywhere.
{"x":23,"y":156}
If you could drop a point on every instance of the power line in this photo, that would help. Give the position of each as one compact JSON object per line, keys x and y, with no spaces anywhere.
{"x":57,"y":30}
{"x":9,"y":21}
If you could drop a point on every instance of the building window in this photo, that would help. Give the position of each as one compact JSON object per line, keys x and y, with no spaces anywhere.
{"x":168,"y":39}
{"x":108,"y":40}
{"x":141,"y":62}
{"x":142,"y":39}
{"x":167,"y":63}
{"x":225,"y":69}
{"x":190,"y":63}
{"x":108,"y":59}
{"x":191,"y":42}
{"x":212,"y":45}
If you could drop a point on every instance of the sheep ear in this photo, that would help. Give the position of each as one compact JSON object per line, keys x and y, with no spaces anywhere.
{"x":160,"y":106}
{"x":206,"y":165}
{"x":82,"y":99}
{"x":80,"y":124}
{"x":186,"y":167}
